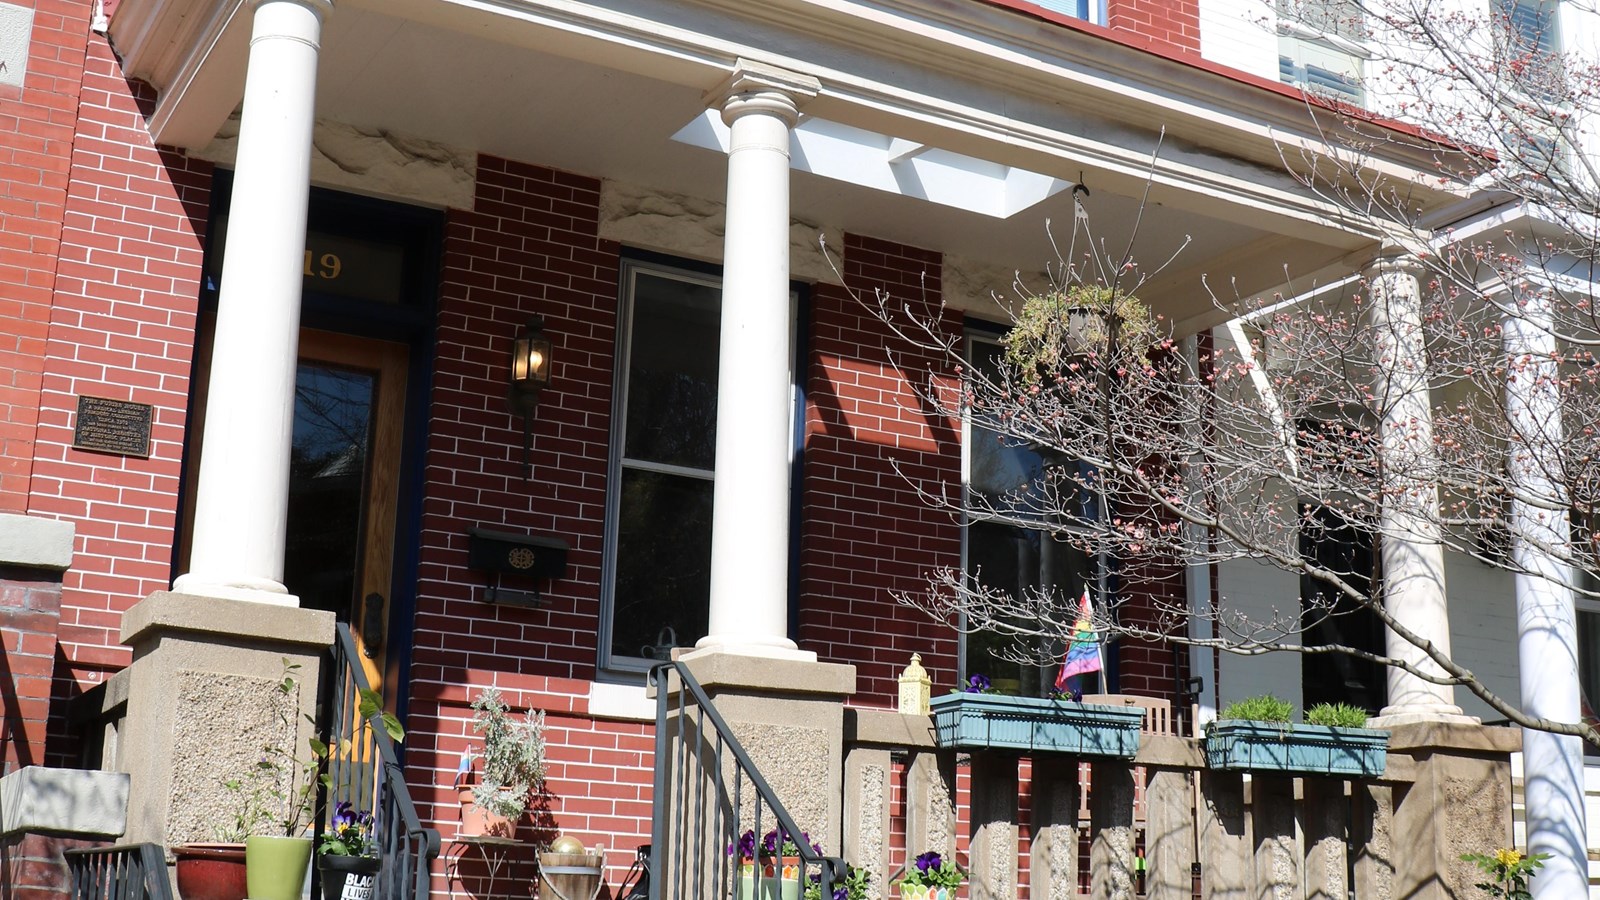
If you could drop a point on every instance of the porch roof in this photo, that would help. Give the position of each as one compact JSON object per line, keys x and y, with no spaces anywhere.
{"x":602,"y":88}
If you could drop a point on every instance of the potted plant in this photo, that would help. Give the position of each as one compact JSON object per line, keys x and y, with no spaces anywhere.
{"x":857,"y":883}
{"x":1257,"y":735}
{"x":279,"y":797}
{"x":512,"y":768}
{"x":1061,"y":323}
{"x":778,"y":855}
{"x":931,"y":877}
{"x":976,"y":718}
{"x":347,"y":854}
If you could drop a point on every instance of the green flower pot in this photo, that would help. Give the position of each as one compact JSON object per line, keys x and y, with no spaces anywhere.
{"x":275,"y":867}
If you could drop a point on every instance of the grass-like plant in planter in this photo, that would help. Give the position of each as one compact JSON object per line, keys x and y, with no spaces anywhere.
{"x":975,"y":720}
{"x":1257,"y":735}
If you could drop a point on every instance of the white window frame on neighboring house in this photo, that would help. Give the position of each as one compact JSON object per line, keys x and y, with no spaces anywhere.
{"x":1087,"y":10}
{"x":970,"y":431}
{"x":1321,"y":54}
{"x":631,"y":268}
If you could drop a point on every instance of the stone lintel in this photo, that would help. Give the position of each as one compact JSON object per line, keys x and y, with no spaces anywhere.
{"x":887,"y":728}
{"x":33,"y":542}
{"x":229,"y":620}
{"x":76,"y":802}
{"x":762,"y":675}
{"x":1455,"y":738}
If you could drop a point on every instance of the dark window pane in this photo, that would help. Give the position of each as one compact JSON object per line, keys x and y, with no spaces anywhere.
{"x":1589,"y":669}
{"x":1329,"y":617}
{"x":327,"y":484}
{"x":672,"y":372}
{"x":1020,"y":561}
{"x":663,"y":562}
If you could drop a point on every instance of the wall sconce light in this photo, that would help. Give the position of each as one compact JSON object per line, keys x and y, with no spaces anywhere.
{"x":530,"y":374}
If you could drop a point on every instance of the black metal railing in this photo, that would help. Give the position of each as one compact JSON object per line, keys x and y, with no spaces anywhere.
{"x":364,"y":772}
{"x":708,"y":793}
{"x":123,"y":872}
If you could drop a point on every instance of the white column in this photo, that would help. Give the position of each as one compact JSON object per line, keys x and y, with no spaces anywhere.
{"x":750,"y":515}
{"x":241,"y":503}
{"x":1413,"y":557}
{"x":1547,"y":636}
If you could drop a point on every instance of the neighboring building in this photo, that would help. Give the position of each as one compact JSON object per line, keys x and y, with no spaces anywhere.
{"x":473,"y":166}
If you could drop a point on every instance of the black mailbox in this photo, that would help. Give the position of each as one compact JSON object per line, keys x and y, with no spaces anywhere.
{"x":517,"y":555}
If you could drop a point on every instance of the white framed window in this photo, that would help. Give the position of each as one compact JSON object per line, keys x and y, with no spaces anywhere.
{"x":1009,"y":556}
{"x":656,"y":581}
{"x":1320,"y":48}
{"x":1087,"y":10}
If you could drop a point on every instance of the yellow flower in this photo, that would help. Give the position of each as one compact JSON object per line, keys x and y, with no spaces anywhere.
{"x":1508,"y":857}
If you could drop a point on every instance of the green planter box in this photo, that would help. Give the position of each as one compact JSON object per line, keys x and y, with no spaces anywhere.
{"x":1237,"y":745}
{"x":994,"y":722}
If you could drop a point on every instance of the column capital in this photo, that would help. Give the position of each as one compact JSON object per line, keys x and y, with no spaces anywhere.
{"x":321,"y":7}
{"x":1393,"y":260}
{"x":758,"y":87}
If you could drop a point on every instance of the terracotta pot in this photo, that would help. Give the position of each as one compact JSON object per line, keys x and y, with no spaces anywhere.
{"x":210,"y":871}
{"x":479,"y":822}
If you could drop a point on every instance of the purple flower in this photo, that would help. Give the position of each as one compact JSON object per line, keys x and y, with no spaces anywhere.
{"x":745,"y":847}
{"x":978,"y":684}
{"x":931,"y":859}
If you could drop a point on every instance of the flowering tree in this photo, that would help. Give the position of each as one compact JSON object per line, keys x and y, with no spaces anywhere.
{"x":1447,"y":401}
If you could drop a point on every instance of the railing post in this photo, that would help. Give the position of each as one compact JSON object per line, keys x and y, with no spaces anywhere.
{"x":1372,"y":808}
{"x":1277,"y":857}
{"x":1053,"y":868}
{"x":930,"y":802}
{"x":1169,"y":834}
{"x":994,"y":827}
{"x":1111,"y":824}
{"x":1224,"y":852}
{"x":866,"y":813}
{"x":1326,"y":830}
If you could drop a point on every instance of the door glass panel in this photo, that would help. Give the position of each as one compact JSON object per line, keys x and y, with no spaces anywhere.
{"x":327,"y":485}
{"x":663,"y":562}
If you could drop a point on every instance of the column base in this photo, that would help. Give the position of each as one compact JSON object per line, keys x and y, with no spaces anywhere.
{"x":1393,"y":716}
{"x":204,"y":695}
{"x":254,"y":590}
{"x":743,"y":645}
{"x":789,"y":716}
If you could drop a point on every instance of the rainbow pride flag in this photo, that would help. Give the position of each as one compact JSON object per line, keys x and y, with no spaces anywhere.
{"x":1083,"y":654}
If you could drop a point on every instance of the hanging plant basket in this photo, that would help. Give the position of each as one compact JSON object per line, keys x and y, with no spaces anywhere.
{"x":971,"y":721}
{"x":1244,"y":746}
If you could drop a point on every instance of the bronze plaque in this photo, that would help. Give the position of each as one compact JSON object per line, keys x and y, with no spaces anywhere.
{"x":113,"y":426}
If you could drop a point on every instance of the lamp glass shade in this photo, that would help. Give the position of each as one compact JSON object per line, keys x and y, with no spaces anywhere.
{"x":530,"y":362}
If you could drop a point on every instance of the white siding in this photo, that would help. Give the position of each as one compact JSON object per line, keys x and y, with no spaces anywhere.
{"x":1483,"y":630}
{"x":1241,"y":34}
{"x":1256,"y":590}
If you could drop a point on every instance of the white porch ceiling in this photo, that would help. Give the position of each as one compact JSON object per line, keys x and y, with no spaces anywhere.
{"x":481,"y":81}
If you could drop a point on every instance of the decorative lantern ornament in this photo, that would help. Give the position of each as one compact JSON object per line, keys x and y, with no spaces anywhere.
{"x":916,"y":688}
{"x":530,"y":374}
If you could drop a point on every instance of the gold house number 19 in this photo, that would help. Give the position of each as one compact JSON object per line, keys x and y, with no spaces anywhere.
{"x":327,"y":266}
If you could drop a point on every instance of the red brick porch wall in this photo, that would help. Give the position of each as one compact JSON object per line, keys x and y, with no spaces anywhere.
{"x":1166,"y":25}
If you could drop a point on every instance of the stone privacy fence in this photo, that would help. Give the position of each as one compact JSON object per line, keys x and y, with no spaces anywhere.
{"x":1163,"y":825}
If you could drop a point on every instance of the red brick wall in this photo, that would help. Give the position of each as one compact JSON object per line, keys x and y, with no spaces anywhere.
{"x":122,"y":326}
{"x":529,"y":247}
{"x":865,"y":532}
{"x":1166,"y":26}
{"x":37,"y":122}
{"x":30,"y":610}
{"x":32,"y":866}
